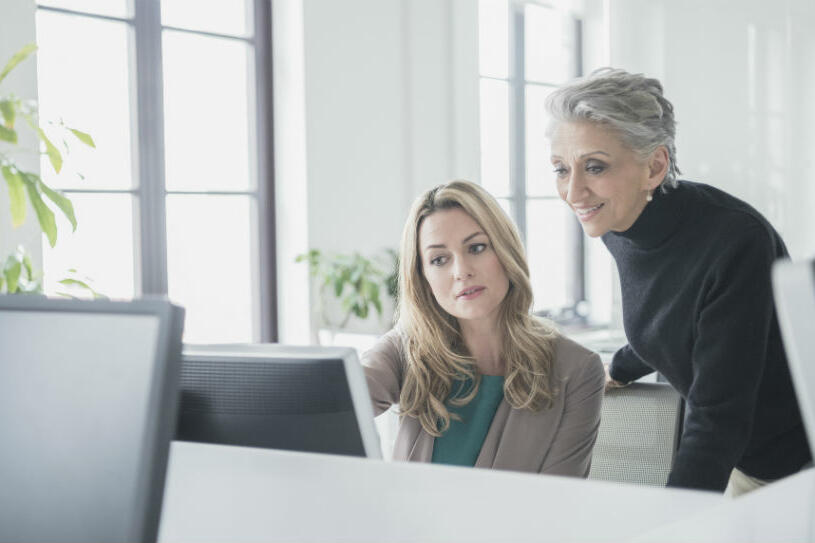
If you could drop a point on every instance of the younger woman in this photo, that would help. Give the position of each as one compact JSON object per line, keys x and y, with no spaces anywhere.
{"x":478,"y":379}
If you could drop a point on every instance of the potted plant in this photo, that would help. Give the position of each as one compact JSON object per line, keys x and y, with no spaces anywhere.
{"x":27,"y":187}
{"x":349,"y":288}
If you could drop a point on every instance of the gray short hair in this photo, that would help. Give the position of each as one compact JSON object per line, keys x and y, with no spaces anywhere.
{"x":630,"y":104}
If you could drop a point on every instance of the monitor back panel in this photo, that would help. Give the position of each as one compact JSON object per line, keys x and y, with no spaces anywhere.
{"x":294,"y":404}
{"x":78,"y":400}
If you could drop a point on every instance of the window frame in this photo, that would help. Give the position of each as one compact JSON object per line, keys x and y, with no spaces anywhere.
{"x":150,"y":192}
{"x":518,"y":197}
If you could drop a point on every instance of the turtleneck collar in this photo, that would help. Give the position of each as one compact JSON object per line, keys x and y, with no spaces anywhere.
{"x":659,"y":219}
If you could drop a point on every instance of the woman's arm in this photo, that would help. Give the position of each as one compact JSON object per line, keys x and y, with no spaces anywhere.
{"x":627,"y":366}
{"x":570,"y":453}
{"x":728,"y":360}
{"x":383,"y":365}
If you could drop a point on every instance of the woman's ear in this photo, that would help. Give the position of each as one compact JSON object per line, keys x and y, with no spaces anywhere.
{"x":657,"y":167}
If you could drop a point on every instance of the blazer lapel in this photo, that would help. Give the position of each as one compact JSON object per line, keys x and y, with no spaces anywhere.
{"x":489,"y":450}
{"x":519,"y":439}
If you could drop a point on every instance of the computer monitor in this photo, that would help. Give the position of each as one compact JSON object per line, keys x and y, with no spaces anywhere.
{"x":88,"y":396}
{"x":280,"y":397}
{"x":794,"y":290}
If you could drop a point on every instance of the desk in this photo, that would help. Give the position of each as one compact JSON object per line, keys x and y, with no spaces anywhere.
{"x":782,"y":511}
{"x":219,"y":493}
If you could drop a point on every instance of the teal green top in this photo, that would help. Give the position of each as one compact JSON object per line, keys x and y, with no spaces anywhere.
{"x":461,"y":443}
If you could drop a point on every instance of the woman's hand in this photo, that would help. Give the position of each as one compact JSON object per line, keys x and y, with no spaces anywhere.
{"x":611,"y":383}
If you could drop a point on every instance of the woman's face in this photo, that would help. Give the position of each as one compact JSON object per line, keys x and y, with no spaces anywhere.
{"x":460,"y":265}
{"x":604,"y":182}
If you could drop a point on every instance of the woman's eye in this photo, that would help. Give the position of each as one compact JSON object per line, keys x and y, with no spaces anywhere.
{"x":595,"y":168}
{"x":476,"y":248}
{"x":438,"y":261}
{"x":560,"y":171}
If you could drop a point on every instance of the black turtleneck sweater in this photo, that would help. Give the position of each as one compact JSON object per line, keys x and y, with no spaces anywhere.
{"x":698,"y":308}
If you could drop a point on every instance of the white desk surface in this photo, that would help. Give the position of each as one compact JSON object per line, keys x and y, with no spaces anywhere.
{"x":782,"y":511}
{"x":219,"y":493}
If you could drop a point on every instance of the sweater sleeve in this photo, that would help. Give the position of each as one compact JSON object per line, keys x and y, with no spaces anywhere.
{"x":727,"y":363}
{"x":383,"y":371}
{"x":570,"y":453}
{"x":627,"y":366}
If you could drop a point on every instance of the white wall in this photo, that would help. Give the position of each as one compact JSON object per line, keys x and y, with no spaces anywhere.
{"x":741,"y":77}
{"x":391,"y":109}
{"x":16,"y":30}
{"x":356,"y":122}
{"x":382,"y":106}
{"x":290,"y":172}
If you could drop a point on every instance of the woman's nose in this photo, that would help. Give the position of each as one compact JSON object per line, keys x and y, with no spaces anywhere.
{"x":462,"y":270}
{"x":576,"y":188}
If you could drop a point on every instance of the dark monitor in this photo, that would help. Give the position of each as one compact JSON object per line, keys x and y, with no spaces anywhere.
{"x":280,"y":397}
{"x":88,"y":396}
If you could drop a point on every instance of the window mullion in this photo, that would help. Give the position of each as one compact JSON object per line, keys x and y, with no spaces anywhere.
{"x":578,"y":286}
{"x":152,"y":247}
{"x":517,"y":130}
{"x":267,"y":232}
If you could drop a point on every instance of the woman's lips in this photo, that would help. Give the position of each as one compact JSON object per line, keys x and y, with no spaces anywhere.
{"x":588,"y":213}
{"x":470,"y":293}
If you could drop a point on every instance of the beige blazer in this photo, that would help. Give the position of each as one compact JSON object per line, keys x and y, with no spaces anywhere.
{"x":556,"y":441}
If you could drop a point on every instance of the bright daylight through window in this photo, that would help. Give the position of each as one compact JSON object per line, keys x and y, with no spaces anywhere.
{"x":174,"y":200}
{"x":526,"y":49}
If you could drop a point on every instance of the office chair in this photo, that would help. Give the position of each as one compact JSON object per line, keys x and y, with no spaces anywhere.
{"x":639,"y":434}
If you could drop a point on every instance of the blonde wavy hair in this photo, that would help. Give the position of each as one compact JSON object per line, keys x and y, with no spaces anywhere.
{"x":433,"y":346}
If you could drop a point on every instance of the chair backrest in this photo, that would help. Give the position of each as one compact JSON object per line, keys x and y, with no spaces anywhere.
{"x":639,"y":434}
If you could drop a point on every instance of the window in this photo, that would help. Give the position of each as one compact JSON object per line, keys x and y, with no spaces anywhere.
{"x":526,"y":49}
{"x":177,"y":199}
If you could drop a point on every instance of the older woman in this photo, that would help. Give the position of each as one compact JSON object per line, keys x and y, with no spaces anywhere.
{"x":694,"y":265}
{"x":479,"y":380}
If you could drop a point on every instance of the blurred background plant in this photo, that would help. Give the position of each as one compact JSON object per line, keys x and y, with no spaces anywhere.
{"x":354,"y":281}
{"x":25,"y":187}
{"x":392,"y":280}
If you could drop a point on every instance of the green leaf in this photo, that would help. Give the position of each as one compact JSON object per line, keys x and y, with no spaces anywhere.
{"x":62,"y":202}
{"x":361,"y":311}
{"x":338,"y":284}
{"x":70,"y":281}
{"x":83,"y":137}
{"x":370,"y":289}
{"x":44,"y":215}
{"x":313,"y":258}
{"x":9,"y":111}
{"x":27,"y":265}
{"x":8,"y":134}
{"x":16,"y":195}
{"x":12,"y":273}
{"x":18,"y":57}
{"x":356,"y":273}
{"x":53,"y":153}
